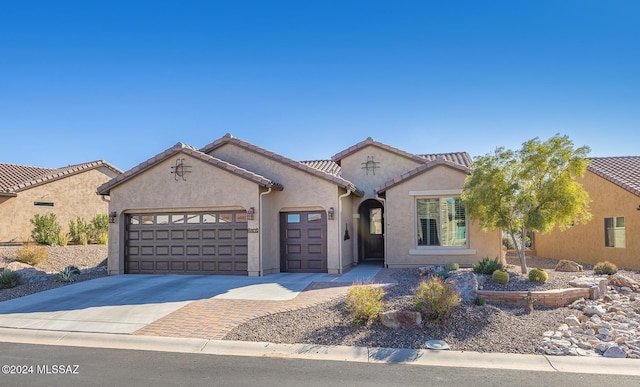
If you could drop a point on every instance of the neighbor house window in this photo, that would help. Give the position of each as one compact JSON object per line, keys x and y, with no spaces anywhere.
{"x":614,"y":232}
{"x":441,"y":222}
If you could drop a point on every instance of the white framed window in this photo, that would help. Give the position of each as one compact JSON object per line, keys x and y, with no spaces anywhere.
{"x":614,"y":235}
{"x":441,"y":222}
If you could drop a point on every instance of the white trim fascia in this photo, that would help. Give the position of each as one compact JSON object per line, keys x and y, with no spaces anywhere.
{"x":442,"y":252}
{"x":436,"y":192}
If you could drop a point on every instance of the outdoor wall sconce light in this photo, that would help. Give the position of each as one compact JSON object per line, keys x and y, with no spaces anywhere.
{"x":330,"y":213}
{"x":250,"y":213}
{"x":112,"y":216}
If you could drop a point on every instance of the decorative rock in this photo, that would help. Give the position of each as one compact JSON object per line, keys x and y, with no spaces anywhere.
{"x":622,"y":281}
{"x":401,"y":319}
{"x":572,"y":321}
{"x":464,"y":283}
{"x":27,"y":273}
{"x":593,"y":309}
{"x":566,"y":265}
{"x":615,"y":352}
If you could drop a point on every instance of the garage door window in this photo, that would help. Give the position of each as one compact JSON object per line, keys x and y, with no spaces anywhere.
{"x":162,"y":219}
{"x":177,"y":219}
{"x":208,"y":218}
{"x":193,"y":219}
{"x":293,"y":218}
{"x":241,"y":217}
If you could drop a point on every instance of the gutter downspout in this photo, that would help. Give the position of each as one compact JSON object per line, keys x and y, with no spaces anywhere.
{"x":340,"y":197}
{"x":261,"y":235}
{"x":384,"y":240}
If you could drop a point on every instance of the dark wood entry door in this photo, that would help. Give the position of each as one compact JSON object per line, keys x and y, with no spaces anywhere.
{"x":303,"y":242}
{"x":372,"y":230}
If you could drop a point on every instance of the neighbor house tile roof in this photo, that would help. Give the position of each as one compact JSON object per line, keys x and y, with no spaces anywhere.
{"x":322,"y":173}
{"x":623,"y":171}
{"x":105,"y":188}
{"x":461,"y":158}
{"x":15,"y":178}
{"x":328,"y":166}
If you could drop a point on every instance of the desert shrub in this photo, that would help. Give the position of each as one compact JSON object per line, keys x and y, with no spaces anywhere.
{"x":451,"y":266}
{"x":442,"y":273}
{"x":479,"y":300}
{"x":487,"y":266}
{"x":102,"y":238}
{"x":605,"y":267}
{"x":538,"y":275}
{"x":63,"y":239}
{"x":364,"y":302}
{"x":31,"y":254}
{"x":100,"y":228}
{"x":434,"y":300}
{"x":68,"y":274}
{"x":80,"y":231}
{"x":46,"y":229}
{"x":500,"y":277}
{"x":9,"y":279}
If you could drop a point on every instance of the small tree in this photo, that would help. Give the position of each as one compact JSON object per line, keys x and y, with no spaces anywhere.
{"x":533,"y":189}
{"x":46,"y":229}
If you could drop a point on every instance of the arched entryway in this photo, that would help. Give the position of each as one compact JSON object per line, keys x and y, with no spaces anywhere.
{"x":371,"y":231}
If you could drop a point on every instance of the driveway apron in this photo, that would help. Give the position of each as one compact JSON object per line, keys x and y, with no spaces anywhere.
{"x":173,"y":305}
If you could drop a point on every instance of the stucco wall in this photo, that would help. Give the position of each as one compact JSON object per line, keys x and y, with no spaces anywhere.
{"x":206,"y":188}
{"x":389,"y":166}
{"x":73,"y":196}
{"x":302,"y":192}
{"x":401,"y":223}
{"x":585,"y":242}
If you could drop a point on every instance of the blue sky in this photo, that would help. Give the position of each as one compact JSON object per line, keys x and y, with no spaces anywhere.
{"x":125,"y":80}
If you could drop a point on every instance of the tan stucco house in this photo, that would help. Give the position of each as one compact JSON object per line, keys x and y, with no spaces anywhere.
{"x":613,"y":184}
{"x":234,"y":208}
{"x":68,"y":192}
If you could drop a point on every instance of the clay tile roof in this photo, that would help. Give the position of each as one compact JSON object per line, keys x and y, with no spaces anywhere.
{"x":461,"y":158}
{"x":420,"y":169}
{"x":327,"y":166}
{"x":15,"y":178}
{"x":371,"y":142}
{"x":105,"y":188}
{"x":623,"y":171}
{"x":322,"y":173}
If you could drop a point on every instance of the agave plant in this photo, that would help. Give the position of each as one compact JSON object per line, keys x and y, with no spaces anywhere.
{"x":68,"y":274}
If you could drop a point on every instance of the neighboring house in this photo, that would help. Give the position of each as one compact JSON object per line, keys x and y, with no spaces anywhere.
{"x":235,"y":208}
{"x":613,"y":184}
{"x":67,"y":192}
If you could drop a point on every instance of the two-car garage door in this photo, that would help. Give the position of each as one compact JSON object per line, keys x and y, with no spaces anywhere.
{"x":187,"y":243}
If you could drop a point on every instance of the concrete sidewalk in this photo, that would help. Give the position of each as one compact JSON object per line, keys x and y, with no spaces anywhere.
{"x":584,"y":365}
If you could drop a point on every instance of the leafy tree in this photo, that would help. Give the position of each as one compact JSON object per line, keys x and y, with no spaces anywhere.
{"x":530,"y":189}
{"x":46,"y":229}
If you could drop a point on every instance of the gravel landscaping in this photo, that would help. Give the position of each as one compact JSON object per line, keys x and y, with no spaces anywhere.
{"x":487,"y":328}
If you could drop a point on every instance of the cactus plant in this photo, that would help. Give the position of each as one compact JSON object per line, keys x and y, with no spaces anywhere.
{"x":538,"y":275}
{"x":500,"y":277}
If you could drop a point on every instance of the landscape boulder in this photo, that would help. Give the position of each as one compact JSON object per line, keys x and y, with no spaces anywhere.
{"x":566,"y":265}
{"x":401,"y":319}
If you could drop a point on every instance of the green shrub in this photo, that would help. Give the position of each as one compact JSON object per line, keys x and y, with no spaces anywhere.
{"x":538,"y":275}
{"x":452,"y":267}
{"x":479,"y":300}
{"x":63,"y":239}
{"x":9,"y":279}
{"x":68,"y":274}
{"x":99,"y":228}
{"x":46,"y":229}
{"x":80,"y":231}
{"x":605,"y":267}
{"x":441,"y":273}
{"x":500,"y":277}
{"x":31,"y":254}
{"x":364,"y":302}
{"x":487,"y":266}
{"x":434,"y":300}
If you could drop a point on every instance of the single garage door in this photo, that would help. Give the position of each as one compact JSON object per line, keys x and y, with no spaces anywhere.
{"x":187,"y":243}
{"x":303,"y":237}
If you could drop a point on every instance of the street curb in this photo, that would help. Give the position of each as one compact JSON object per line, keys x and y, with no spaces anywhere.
{"x":504,"y":361}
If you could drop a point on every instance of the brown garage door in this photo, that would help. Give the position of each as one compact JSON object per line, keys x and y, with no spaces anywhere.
{"x":187,"y":243}
{"x":303,"y":237}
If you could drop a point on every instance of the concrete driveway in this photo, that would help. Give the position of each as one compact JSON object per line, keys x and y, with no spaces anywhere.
{"x":127,"y":303}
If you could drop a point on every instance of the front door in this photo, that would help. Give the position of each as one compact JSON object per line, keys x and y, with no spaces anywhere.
{"x":371,"y":241}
